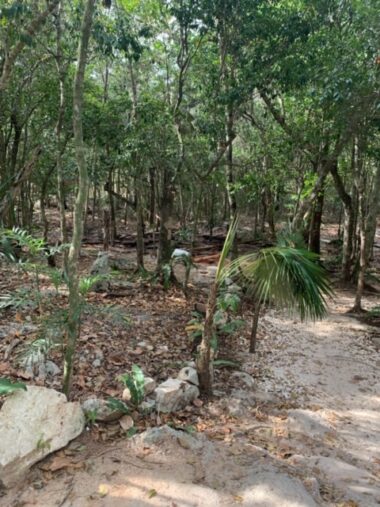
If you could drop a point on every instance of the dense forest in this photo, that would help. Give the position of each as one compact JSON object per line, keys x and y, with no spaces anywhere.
{"x":213,"y":161}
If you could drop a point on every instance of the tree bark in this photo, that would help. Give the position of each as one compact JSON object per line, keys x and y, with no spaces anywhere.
{"x":204,"y":359}
{"x":255,"y":322}
{"x":165,"y":212}
{"x":348,"y":223}
{"x":316,"y":222}
{"x":74,"y":313}
{"x":58,"y":132}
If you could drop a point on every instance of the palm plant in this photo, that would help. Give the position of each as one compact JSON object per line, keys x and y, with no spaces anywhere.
{"x":204,"y":358}
{"x":287,"y":277}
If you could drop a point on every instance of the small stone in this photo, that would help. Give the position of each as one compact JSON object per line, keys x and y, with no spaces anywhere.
{"x":173,"y":394}
{"x":149,"y":385}
{"x":147,"y":406}
{"x":137,"y":352}
{"x":189,"y":374}
{"x":126,"y":422}
{"x":126,"y":394}
{"x":96,"y":363}
{"x":52,"y":369}
{"x":102,"y":411}
{"x":99,"y":354}
{"x":180,"y":252}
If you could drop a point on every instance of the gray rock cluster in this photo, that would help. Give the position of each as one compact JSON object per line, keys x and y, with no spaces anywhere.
{"x":172,"y":395}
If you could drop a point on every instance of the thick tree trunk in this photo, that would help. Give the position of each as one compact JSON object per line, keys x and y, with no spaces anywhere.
{"x":74,"y":313}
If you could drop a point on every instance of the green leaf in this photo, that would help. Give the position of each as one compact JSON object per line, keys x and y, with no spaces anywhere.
{"x":225,"y":363}
{"x":115,"y":404}
{"x":8,"y":387}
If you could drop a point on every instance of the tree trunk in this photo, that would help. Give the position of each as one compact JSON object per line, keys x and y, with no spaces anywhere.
{"x":139,"y":227}
{"x":152,"y":195}
{"x":204,"y":359}
{"x":255,"y":322}
{"x":74,"y":313}
{"x":315,"y":224}
{"x":230,"y":175}
{"x":58,"y":131}
{"x":166,"y":206}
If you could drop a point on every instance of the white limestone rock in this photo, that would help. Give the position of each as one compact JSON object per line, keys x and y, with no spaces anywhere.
{"x":174,"y":394}
{"x":189,"y":374}
{"x":101,"y":411}
{"x":101,"y":267}
{"x":34,"y":423}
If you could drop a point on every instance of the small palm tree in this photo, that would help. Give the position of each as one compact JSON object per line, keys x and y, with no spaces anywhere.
{"x":287,"y":277}
{"x":205,"y":355}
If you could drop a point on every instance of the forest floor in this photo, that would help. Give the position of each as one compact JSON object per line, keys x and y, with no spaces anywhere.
{"x":305,"y":432}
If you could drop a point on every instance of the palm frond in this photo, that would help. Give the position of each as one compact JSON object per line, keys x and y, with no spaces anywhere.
{"x":287,"y":277}
{"x":228,"y":242}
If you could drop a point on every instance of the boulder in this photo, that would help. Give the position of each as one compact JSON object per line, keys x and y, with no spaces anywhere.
{"x":101,"y":267}
{"x":101,"y":411}
{"x":189,"y":374}
{"x":122,"y":264}
{"x":34,"y":423}
{"x":174,"y":394}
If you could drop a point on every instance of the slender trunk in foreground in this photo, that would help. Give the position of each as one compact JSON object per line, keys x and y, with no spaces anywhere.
{"x":73,"y":321}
